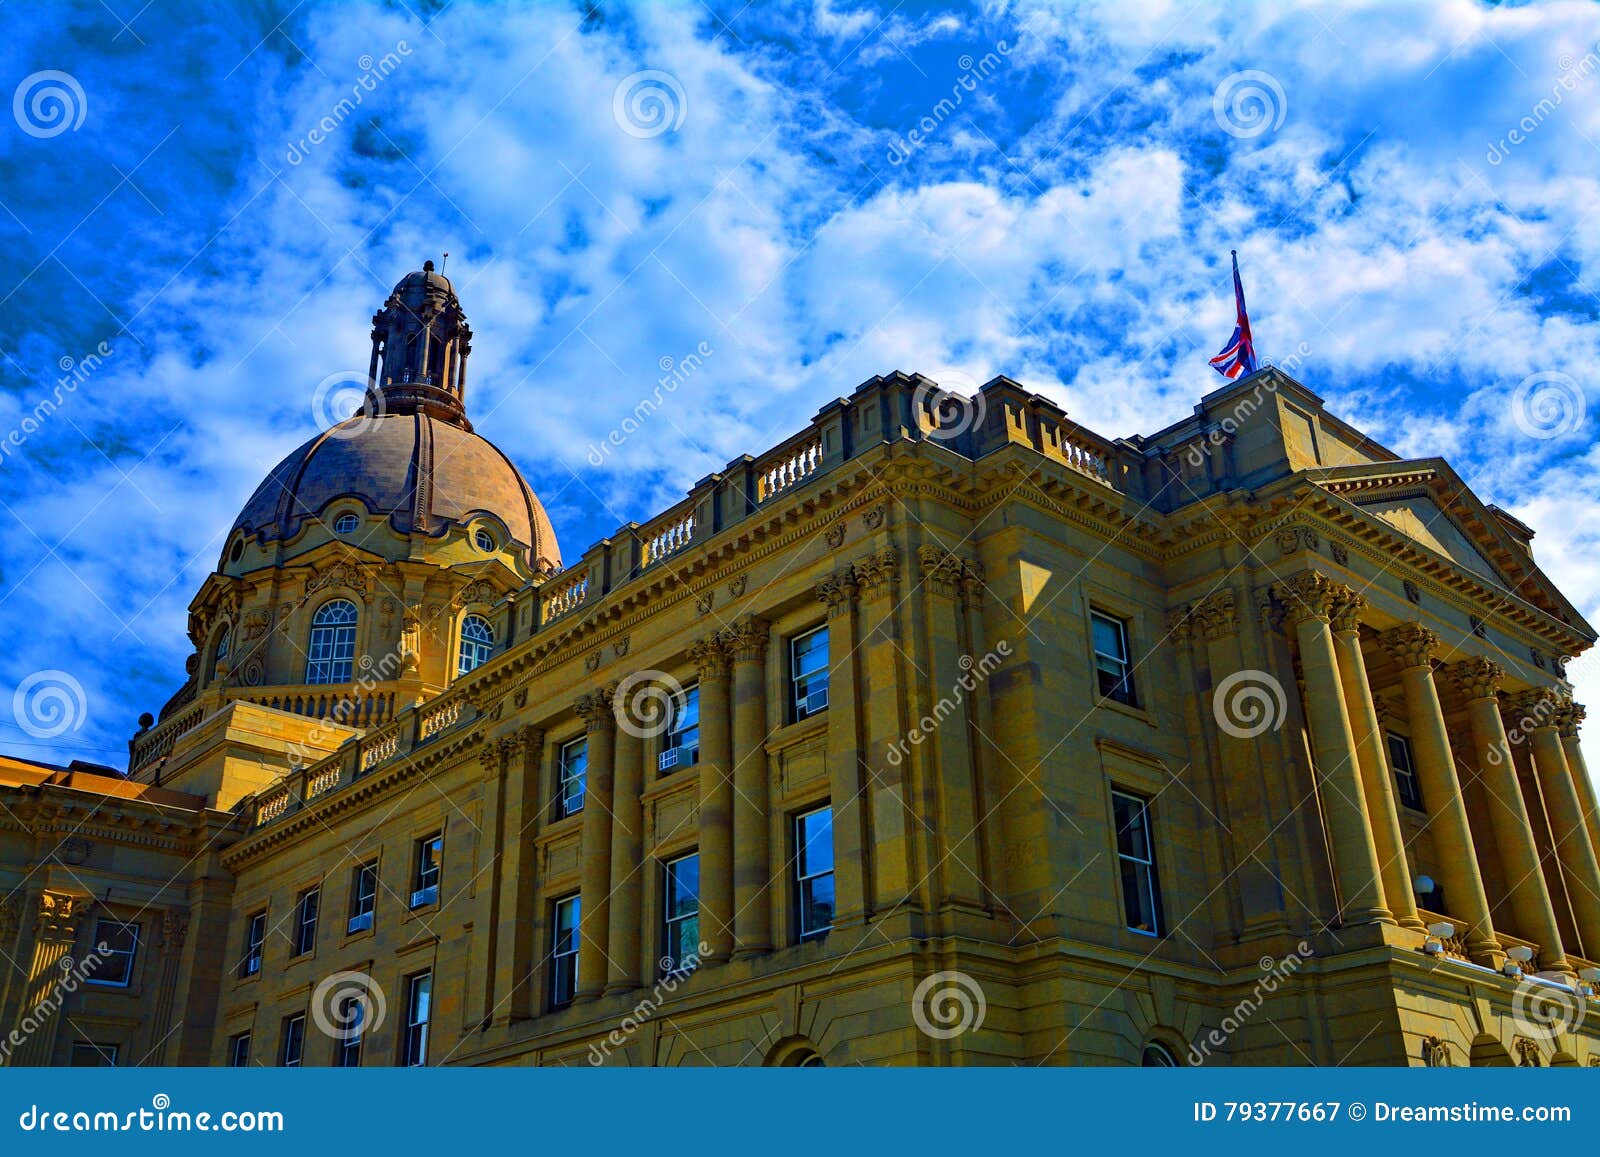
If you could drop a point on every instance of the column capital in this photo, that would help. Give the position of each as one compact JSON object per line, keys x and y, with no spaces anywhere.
{"x":972,"y":582}
{"x":1411,"y":644}
{"x":837,"y":591}
{"x":746,"y":639}
{"x":1535,"y":709}
{"x":10,"y":916}
{"x":1345,"y":612}
{"x":876,"y":574}
{"x":711,"y":658}
{"x":174,"y":929}
{"x":522,"y":741}
{"x":595,"y":707}
{"x":941,"y":570}
{"x":1569,"y":719}
{"x":1312,"y":595}
{"x":1217,"y":615}
{"x":59,"y":915}
{"x":1476,"y":678}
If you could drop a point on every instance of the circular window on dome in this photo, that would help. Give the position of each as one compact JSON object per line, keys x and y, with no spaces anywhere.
{"x":346,"y":524}
{"x":485,"y":541}
{"x":237,"y":550}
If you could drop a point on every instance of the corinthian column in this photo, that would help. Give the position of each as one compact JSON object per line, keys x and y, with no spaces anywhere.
{"x":1567,"y":722}
{"x":1376,"y":782}
{"x":838,"y":592}
{"x":1311,"y":600}
{"x":1479,"y":682}
{"x":650,"y":713}
{"x":1413,"y":647}
{"x":38,"y":1017}
{"x":716,"y":801}
{"x":594,"y":914}
{"x":752,"y":867}
{"x":1536,"y":712}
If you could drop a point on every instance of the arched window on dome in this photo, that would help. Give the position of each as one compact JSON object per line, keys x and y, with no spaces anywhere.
{"x":219,"y":653}
{"x":1158,"y":1056}
{"x":330,"y":657}
{"x":477,"y":643}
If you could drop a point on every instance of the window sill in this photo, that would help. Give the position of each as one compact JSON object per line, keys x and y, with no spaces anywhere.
{"x":798,"y":732}
{"x":1142,"y":714}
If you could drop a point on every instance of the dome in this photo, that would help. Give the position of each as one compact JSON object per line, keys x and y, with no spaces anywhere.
{"x":410,"y":454}
{"x":425,"y":474}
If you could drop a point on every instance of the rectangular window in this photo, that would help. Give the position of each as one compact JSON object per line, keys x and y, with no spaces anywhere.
{"x":305,"y":921}
{"x":425,"y":881}
{"x":292,"y":1052}
{"x":1112,"y":663}
{"x":89,"y":1055}
{"x":419,"y":1006}
{"x":682,"y":746}
{"x":1406,"y":784}
{"x":255,"y":936}
{"x":115,"y":964}
{"x":1136,"y":856}
{"x":808,"y":673}
{"x":239,"y":1051}
{"x":363,"y":897}
{"x":350,"y":1024}
{"x":574,"y":769}
{"x":564,"y":951}
{"x":813,"y":837}
{"x":681,"y":905}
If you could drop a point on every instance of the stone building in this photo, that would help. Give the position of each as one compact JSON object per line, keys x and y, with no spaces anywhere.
{"x":948,"y":731}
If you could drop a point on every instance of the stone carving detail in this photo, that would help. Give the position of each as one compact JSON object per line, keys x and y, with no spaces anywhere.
{"x":972,"y":583}
{"x":838,"y":590}
{"x":1340,"y":554}
{"x":256,"y":624}
{"x":341,"y":574}
{"x":873,"y":518}
{"x":1537,"y":656}
{"x":1569,"y":719}
{"x":1527,"y":1053}
{"x":1436,"y":1052}
{"x":1412,"y":593}
{"x":620,"y":647}
{"x":1477,"y":626}
{"x":174,"y":929}
{"x":595,"y":708}
{"x":390,"y":605}
{"x":737,"y":586}
{"x":519,"y":698}
{"x":10,"y":917}
{"x":1476,"y":678}
{"x":591,"y":661}
{"x":836,"y":536}
{"x":410,"y":643}
{"x":255,"y":673}
{"x":1293,"y":538}
{"x":480,"y":591}
{"x":746,"y":639}
{"x":74,"y":850}
{"x":1529,"y":711}
{"x":1217,"y":615}
{"x":876,"y":574}
{"x":1346,"y":610}
{"x":1411,"y":644}
{"x":710,"y":658}
{"x":704,"y":603}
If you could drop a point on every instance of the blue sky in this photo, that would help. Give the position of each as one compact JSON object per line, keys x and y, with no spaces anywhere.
{"x":1413,"y":190}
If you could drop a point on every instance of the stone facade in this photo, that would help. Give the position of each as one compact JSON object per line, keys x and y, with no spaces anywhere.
{"x":1186,"y":746}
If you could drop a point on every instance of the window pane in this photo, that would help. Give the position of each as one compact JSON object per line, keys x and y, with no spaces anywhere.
{"x":816,"y":899}
{"x":816,"y":842}
{"x":683,"y":887}
{"x":1108,"y":637}
{"x":1131,"y":833}
{"x":811,"y":652}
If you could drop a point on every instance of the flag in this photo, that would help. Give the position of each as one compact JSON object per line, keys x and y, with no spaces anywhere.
{"x":1239,"y":355}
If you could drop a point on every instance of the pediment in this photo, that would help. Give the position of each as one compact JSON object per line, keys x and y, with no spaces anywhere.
{"x":1422,"y":519}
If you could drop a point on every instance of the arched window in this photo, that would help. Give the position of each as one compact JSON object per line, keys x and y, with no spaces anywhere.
{"x":330,"y":658}
{"x":477,"y":643}
{"x":1158,"y":1056}
{"x":219,"y":653}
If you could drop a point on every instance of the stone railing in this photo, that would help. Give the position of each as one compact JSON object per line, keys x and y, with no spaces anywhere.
{"x":565,"y":595}
{"x":158,"y":741}
{"x":788,"y":465}
{"x":415,"y":727}
{"x":666,"y":536}
{"x":359,"y":705}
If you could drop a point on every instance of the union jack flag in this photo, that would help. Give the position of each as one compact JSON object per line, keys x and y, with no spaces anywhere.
{"x":1239,"y":355}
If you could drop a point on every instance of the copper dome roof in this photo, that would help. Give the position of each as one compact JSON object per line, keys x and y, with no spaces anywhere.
{"x":423,"y":473}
